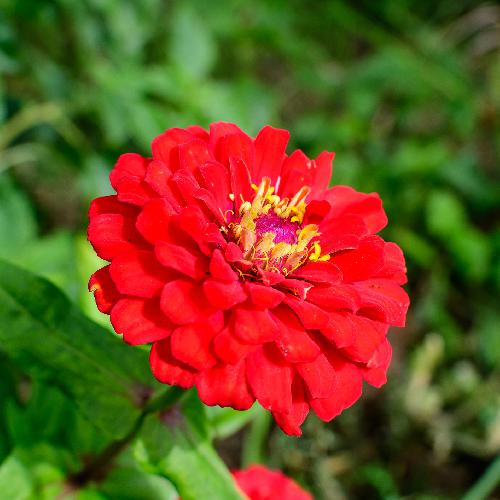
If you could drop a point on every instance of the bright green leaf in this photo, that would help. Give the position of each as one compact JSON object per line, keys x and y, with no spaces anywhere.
{"x":176,"y":444}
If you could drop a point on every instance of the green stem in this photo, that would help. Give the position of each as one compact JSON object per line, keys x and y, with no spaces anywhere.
{"x":486,"y":483}
{"x":255,"y":439}
{"x":164,"y":399}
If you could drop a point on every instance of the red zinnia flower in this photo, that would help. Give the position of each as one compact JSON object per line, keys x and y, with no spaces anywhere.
{"x":259,"y":483}
{"x":251,"y":278}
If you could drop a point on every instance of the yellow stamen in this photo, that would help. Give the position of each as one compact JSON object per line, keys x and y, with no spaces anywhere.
{"x":279,"y":257}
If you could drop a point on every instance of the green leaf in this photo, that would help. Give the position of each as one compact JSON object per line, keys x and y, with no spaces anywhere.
{"x":15,"y":480}
{"x":176,"y":445}
{"x":50,"y":339}
{"x":131,"y":483}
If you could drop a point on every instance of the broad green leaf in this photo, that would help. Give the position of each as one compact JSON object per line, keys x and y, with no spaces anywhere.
{"x":176,"y":444}
{"x":131,"y":483}
{"x":50,"y":339}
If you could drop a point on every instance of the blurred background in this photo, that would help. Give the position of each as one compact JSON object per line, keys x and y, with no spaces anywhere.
{"x":406,"y":92}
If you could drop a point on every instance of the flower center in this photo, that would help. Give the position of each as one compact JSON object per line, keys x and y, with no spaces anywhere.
{"x":270,"y":232}
{"x":283,"y":229}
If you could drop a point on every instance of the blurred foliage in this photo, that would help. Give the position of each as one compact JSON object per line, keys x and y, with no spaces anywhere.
{"x":408,"y":95}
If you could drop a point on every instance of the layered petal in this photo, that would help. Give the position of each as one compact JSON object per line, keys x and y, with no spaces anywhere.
{"x":104,"y":290}
{"x":270,"y":379}
{"x":140,"y":321}
{"x":225,"y":385}
{"x":167,"y":369}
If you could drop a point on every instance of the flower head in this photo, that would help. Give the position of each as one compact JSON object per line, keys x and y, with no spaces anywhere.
{"x":251,"y":278}
{"x":259,"y":483}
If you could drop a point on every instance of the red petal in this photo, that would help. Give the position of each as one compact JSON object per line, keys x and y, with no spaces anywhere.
{"x":134,"y":191}
{"x":270,"y":379}
{"x":290,"y":422}
{"x":216,"y":181}
{"x":348,"y":390}
{"x":191,"y":345}
{"x":111,"y":205}
{"x":319,"y":377}
{"x":264,"y":297}
{"x":194,"y":154}
{"x":228,"y":140}
{"x":383,"y":300}
{"x":321,"y":172}
{"x":220,"y":269}
{"x":157,"y":177}
{"x":270,"y":145}
{"x":112,"y":234}
{"x":241,"y":183}
{"x":362,"y":263}
{"x":154,"y":221}
{"x":341,"y":233}
{"x":368,"y":335}
{"x":339,"y":330}
{"x":316,"y":211}
{"x":375,"y":372}
{"x":105,"y":292}
{"x":211,"y":205}
{"x":187,"y":262}
{"x":229,"y":348}
{"x":164,"y":147}
{"x":335,"y":297}
{"x":260,"y":483}
{"x":198,"y":131}
{"x":253,"y":326}
{"x":186,"y":185}
{"x":235,"y":146}
{"x":224,"y":295}
{"x":293,"y":340}
{"x":140,"y":321}
{"x":183,"y":302}
{"x":394,"y":264}
{"x":225,"y":386}
{"x":295,"y":174}
{"x":311,"y":316}
{"x":233,"y":252}
{"x":167,"y":369}
{"x":192,"y":221}
{"x":128,"y":165}
{"x":139,"y":273}
{"x":318,"y":272}
{"x":345,"y":200}
{"x":299,"y":288}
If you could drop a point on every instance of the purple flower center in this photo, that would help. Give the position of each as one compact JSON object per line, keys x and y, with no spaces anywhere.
{"x":284,"y":229}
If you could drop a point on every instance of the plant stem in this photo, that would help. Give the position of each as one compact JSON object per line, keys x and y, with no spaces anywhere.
{"x":486,"y":483}
{"x":255,"y":439}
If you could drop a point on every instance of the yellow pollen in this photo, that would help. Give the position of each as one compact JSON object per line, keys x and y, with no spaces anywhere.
{"x":281,"y":256}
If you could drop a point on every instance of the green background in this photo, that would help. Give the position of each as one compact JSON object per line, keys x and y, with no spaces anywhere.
{"x":406,"y":92}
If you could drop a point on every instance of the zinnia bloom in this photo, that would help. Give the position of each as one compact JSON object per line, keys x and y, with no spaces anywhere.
{"x":251,"y":279}
{"x":259,"y":483}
